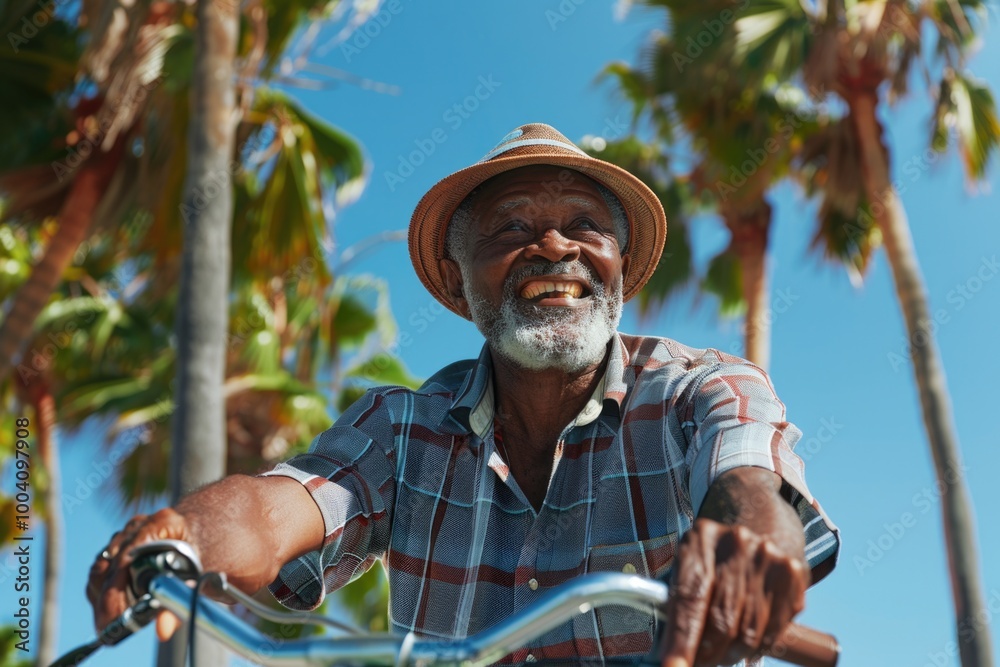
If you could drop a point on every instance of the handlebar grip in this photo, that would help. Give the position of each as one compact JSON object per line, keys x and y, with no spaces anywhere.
{"x":806,"y":647}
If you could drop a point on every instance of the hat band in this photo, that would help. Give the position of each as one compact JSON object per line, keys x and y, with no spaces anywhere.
{"x":531,"y":142}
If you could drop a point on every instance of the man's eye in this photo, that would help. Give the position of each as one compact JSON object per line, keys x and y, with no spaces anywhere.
{"x":513,"y":226}
{"x":587,"y":224}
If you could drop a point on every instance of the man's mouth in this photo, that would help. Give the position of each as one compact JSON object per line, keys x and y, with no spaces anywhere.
{"x":542,"y":290}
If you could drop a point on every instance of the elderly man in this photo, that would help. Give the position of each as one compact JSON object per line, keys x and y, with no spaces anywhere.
{"x":565,"y":448}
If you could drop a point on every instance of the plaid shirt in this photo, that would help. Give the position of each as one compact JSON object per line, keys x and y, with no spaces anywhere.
{"x":415,"y":478}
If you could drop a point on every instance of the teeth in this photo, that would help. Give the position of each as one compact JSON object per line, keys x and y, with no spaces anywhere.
{"x":559,"y":289}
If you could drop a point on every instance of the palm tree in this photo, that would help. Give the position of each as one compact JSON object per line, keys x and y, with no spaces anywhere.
{"x":864,"y":53}
{"x":865,"y":56}
{"x":742,"y":143}
{"x":650,"y":162}
{"x":109,"y":115}
{"x":145,"y":68}
{"x":198,"y":429}
{"x":90,"y":104}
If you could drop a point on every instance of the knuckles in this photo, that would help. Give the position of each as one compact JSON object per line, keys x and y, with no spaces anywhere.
{"x":724,"y":622}
{"x":104,"y":580}
{"x":772,"y":588}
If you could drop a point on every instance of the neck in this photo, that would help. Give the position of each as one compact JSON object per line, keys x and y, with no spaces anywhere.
{"x":541,"y":403}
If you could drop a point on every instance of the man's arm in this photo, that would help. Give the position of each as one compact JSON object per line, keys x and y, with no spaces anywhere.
{"x":239,"y":525}
{"x":740,"y":575}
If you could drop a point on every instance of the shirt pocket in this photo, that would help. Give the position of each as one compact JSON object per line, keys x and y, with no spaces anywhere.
{"x":625,"y":630}
{"x":650,"y":558}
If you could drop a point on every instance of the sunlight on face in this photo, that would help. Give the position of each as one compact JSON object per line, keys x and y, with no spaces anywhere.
{"x":539,"y":338}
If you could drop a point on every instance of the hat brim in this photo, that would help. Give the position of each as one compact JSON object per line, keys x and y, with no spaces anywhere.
{"x":434,"y":211}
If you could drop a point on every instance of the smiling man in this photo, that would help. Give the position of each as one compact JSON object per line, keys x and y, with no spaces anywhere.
{"x":565,"y":448}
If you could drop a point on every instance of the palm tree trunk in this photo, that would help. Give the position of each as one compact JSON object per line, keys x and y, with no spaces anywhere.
{"x":75,"y":220}
{"x":959,"y":525}
{"x":199,"y":430}
{"x":40,"y":395}
{"x":750,"y":230}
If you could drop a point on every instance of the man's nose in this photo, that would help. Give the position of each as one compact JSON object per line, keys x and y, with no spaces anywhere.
{"x":554,"y":247}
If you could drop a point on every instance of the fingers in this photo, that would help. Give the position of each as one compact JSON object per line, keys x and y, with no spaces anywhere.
{"x":690,"y":588}
{"x":785,"y":580}
{"x":756,"y":612}
{"x":729,"y":598}
{"x":114,"y":598}
{"x":731,"y":595}
{"x":108,"y":583}
{"x":166,"y":625}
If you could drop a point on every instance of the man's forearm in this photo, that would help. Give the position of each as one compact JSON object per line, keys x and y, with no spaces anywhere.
{"x":248,"y":527}
{"x":751,"y":497}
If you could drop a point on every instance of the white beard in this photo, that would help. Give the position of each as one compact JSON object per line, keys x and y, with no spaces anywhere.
{"x":538,"y":337}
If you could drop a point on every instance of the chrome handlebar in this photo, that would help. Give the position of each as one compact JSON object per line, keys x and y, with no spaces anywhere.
{"x":160,"y":571}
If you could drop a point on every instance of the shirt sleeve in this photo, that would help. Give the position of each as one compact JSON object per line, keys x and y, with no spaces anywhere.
{"x":733,"y":418}
{"x":350,"y":473}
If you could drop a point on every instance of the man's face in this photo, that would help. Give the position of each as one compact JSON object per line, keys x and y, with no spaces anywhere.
{"x":542,"y":279}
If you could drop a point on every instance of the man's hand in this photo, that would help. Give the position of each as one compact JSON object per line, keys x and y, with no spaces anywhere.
{"x":740,"y":574}
{"x":108,"y":582}
{"x":731,"y":594}
{"x":247,"y":527}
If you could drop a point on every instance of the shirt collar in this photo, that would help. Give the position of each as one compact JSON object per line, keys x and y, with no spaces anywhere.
{"x":473,"y":405}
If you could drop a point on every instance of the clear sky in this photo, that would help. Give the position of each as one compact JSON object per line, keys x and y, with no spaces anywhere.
{"x":833,"y":345}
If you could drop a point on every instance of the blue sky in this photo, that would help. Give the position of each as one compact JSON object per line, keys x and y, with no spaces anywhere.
{"x":833,"y":345}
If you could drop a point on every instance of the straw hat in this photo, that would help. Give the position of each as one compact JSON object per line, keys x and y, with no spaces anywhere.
{"x":536,"y":143}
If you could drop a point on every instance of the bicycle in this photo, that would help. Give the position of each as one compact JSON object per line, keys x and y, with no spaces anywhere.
{"x":162,"y":570}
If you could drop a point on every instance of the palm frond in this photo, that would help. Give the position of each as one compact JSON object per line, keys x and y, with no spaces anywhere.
{"x":967,"y":110}
{"x":723,"y":279}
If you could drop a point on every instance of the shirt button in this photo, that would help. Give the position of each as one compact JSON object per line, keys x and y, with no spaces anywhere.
{"x":629,"y":568}
{"x":530,"y":658}
{"x":533,"y":584}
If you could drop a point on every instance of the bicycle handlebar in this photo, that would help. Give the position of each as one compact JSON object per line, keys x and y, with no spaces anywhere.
{"x":798,"y":645}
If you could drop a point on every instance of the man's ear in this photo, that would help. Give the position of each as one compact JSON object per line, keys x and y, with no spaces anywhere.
{"x":626,"y":262}
{"x":455,"y":286}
